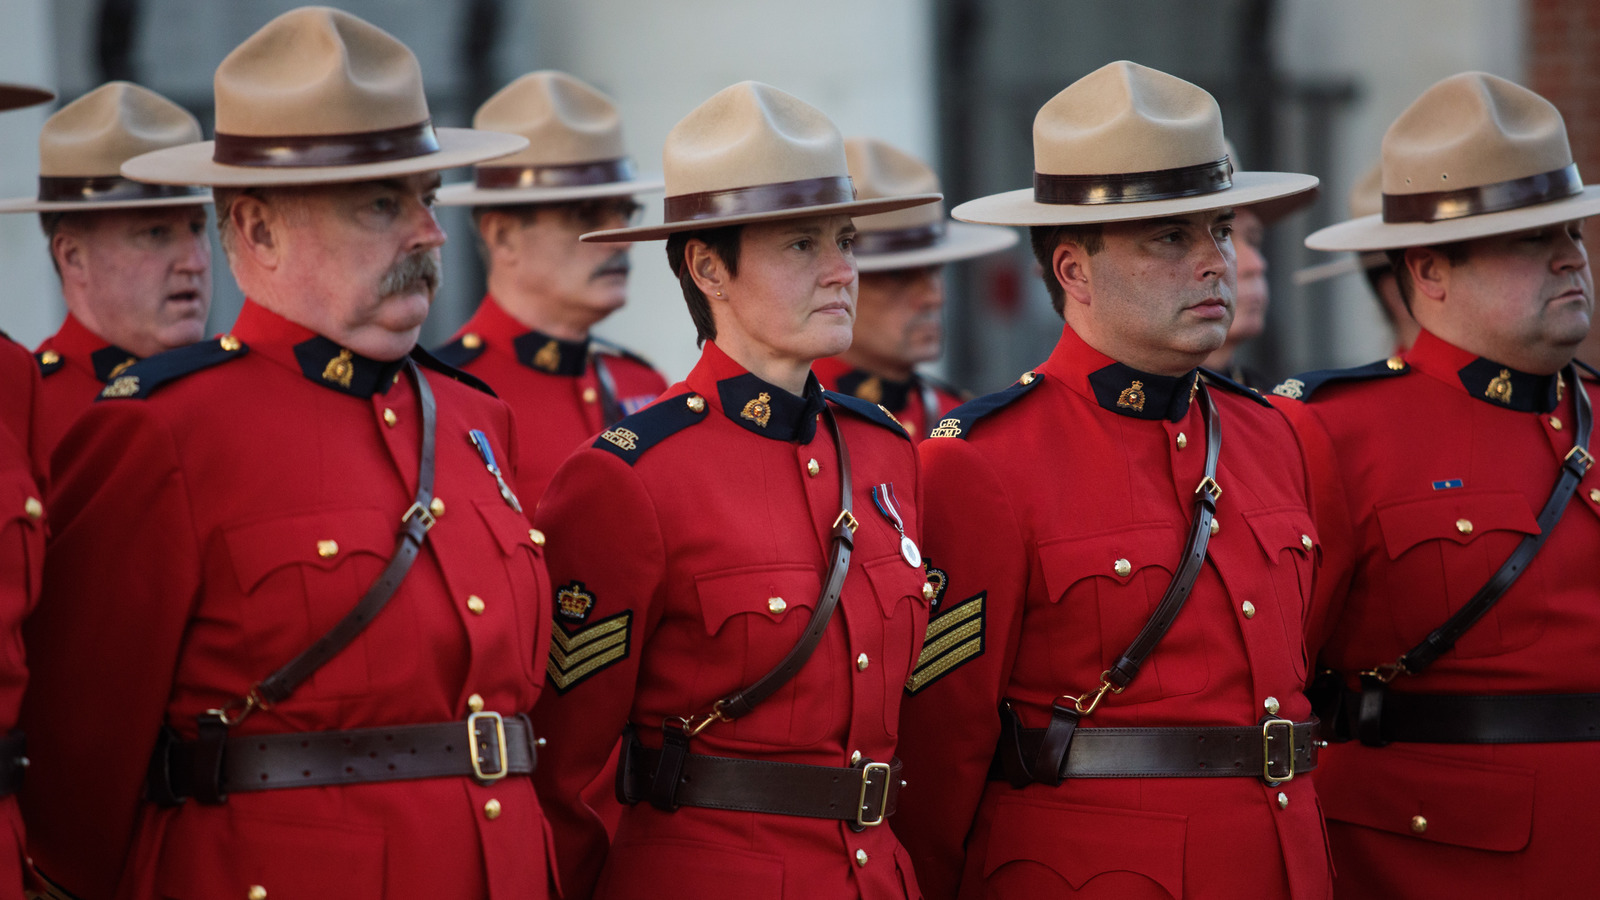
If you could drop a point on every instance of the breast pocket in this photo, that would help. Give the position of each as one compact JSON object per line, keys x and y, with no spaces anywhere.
{"x":523,"y":584}
{"x":1290,"y":549}
{"x":22,"y":535}
{"x":1117,"y":579}
{"x":898,"y":588}
{"x":298,"y":576}
{"x":754,"y":617}
{"x":1442,"y":550}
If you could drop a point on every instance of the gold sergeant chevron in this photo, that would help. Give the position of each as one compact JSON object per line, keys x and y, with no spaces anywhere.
{"x":954,"y":637}
{"x":578,"y":655}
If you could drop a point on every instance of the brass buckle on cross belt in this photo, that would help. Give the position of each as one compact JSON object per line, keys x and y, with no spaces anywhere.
{"x":883,"y":800}
{"x":476,"y":745}
{"x":1267,"y":737}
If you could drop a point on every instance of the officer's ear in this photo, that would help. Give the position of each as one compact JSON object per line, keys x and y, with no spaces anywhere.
{"x":70,"y":252}
{"x":1429,"y":268}
{"x":495,"y":228}
{"x":707,"y":268}
{"x":1070,"y":263}
{"x":256,"y":221}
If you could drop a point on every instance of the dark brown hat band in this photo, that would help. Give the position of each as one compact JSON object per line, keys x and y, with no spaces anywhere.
{"x":761,"y":198}
{"x":1438,"y":206}
{"x":314,"y":150}
{"x":109,"y":189}
{"x":1133,"y":187}
{"x":898,"y":240}
{"x":610,"y":171}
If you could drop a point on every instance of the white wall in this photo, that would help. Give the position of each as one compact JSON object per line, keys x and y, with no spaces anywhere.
{"x":30,"y":299}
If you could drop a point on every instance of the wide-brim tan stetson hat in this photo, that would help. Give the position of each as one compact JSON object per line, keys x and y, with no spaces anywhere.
{"x":1273,"y":211}
{"x":20,"y":96}
{"x":574,"y":152}
{"x":319,"y":96}
{"x":83,"y":146}
{"x":1127,"y":142}
{"x":753,"y":153}
{"x":918,"y":235}
{"x":1474,"y":156}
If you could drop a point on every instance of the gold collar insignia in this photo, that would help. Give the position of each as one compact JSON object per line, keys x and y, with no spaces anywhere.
{"x":758,"y":410}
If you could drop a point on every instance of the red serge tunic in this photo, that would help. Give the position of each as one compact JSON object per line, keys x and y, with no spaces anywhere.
{"x":208,"y":529}
{"x":688,"y":547}
{"x":918,"y":403}
{"x":1424,"y":485}
{"x":1056,"y":522}
{"x":76,"y":364}
{"x":560,"y":390}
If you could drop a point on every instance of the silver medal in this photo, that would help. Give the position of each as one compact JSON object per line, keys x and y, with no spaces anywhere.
{"x":908,"y":550}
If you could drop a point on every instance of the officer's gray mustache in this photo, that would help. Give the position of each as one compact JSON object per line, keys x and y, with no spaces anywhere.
{"x":416,"y":270}
{"x":615,"y":264}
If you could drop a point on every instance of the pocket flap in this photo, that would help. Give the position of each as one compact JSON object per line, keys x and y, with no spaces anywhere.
{"x":1453,"y":515}
{"x":509,"y":527}
{"x":756,"y":590}
{"x":1057,"y":835}
{"x":321,"y":539}
{"x":893,"y":580}
{"x":1279,"y":530}
{"x":1432,"y":798}
{"x":1066,"y":561}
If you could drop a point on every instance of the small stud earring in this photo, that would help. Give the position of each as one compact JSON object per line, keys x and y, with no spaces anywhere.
{"x":719,"y":294}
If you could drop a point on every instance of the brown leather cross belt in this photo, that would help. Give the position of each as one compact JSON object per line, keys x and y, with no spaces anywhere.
{"x":1275,"y":751}
{"x":863,"y":796}
{"x":1491,"y":719}
{"x":485,"y":747}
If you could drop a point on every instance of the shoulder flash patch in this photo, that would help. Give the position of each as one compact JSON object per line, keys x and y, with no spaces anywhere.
{"x":460,"y":351}
{"x":1217,"y":379}
{"x":1301,"y":387}
{"x":958,"y":424}
{"x":50,"y":362}
{"x":601,"y":345}
{"x":955,"y":637}
{"x":579,"y":654}
{"x":141,"y":379}
{"x":631,"y":437}
{"x":872,"y":412}
{"x":428,"y":360}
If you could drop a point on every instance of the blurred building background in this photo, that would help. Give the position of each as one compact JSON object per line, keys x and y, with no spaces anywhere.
{"x":1305,"y":85}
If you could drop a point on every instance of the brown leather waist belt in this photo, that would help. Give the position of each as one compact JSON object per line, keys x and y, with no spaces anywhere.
{"x":863,"y":796}
{"x":486,"y":747}
{"x":12,"y":763}
{"x":1275,"y":751}
{"x":1491,"y":719}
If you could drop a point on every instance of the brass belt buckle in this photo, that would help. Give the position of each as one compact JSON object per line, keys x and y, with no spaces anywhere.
{"x":423,"y":515}
{"x":866,"y":783}
{"x":475,"y":746}
{"x":1267,"y":774}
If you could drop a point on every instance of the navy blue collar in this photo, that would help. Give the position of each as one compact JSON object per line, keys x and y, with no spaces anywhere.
{"x":771,"y":411}
{"x":1127,"y":391}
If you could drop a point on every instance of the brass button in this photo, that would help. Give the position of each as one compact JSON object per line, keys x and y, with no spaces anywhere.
{"x":1183,"y":440}
{"x":928,"y":590}
{"x":539,"y":742}
{"x":1395,"y":363}
{"x":475,"y":703}
{"x":589,"y":395}
{"x":230,"y":343}
{"x":1305,"y":541}
{"x":861,"y":857}
{"x":1595,"y":495}
{"x":1122,"y":567}
{"x":49,"y":357}
{"x":696,"y":403}
{"x":862,"y":662}
{"x":327,"y":549}
{"x":1216,"y":526}
{"x":1418,"y":824}
{"x":1464,"y":526}
{"x":536,"y":536}
{"x":1271,"y":703}
{"x":33,"y":508}
{"x":813,"y":468}
{"x":855,"y":758}
{"x":1283,"y":800}
{"x":1555,"y":423}
{"x":256,"y":892}
{"x":471,"y":341}
{"x":1027,"y":378}
{"x":1249,"y":609}
{"x":389,"y":418}
{"x":776,"y":605}
{"x":475,"y":605}
{"x":491,"y":810}
{"x":436,"y":507}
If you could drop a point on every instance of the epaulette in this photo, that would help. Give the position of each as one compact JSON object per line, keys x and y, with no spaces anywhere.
{"x":435,"y":363}
{"x":1301,"y":387}
{"x":1217,"y":379}
{"x":50,"y":362}
{"x":141,"y":379}
{"x":631,"y":437}
{"x":872,"y":412}
{"x":601,"y":345}
{"x":959,"y":422}
{"x":460,"y":351}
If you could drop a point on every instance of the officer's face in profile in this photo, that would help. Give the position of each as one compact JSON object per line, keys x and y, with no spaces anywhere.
{"x":899,"y":319}
{"x":535,"y":257}
{"x":1159,"y":296}
{"x":139,"y":278}
{"x":794,"y":297}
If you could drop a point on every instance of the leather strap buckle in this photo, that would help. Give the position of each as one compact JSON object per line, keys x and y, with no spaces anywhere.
{"x":849,"y":520}
{"x":1267,"y":737}
{"x":1209,"y":485}
{"x":494,"y":741}
{"x":883,"y":798}
{"x":1585,"y":459}
{"x":423,"y":516}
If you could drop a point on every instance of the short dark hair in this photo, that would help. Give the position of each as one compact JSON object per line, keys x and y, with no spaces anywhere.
{"x":50,"y":223}
{"x":724,"y":242}
{"x":1046,"y":238}
{"x":1455,"y":253}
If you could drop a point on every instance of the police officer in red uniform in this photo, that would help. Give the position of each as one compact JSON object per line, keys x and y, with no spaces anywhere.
{"x":1108,"y":703}
{"x":287,"y":568}
{"x":134,"y":259}
{"x":1458,"y":608}
{"x":531,"y":338}
{"x":900,"y":306}
{"x":739,"y":588}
